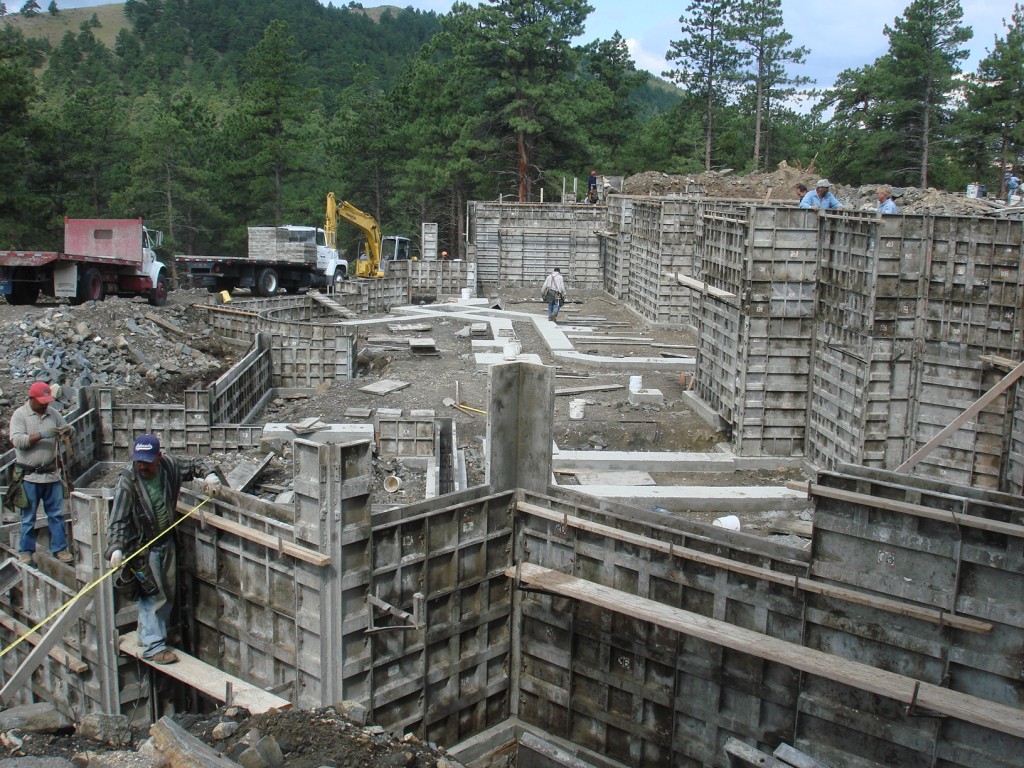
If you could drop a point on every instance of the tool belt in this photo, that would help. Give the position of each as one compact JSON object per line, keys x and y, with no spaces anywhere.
{"x":46,"y":468}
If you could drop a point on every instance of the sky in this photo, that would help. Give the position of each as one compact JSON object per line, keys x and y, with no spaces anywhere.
{"x":838,"y":39}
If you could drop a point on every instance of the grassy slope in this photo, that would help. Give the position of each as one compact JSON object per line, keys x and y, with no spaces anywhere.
{"x":111,"y":17}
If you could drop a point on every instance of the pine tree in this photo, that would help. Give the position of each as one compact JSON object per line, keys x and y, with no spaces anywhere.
{"x":770,"y":49}
{"x":707,"y":58}
{"x":925,"y":49}
{"x":995,"y":99}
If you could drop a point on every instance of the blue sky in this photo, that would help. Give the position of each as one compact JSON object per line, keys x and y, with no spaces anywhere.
{"x":840,"y":35}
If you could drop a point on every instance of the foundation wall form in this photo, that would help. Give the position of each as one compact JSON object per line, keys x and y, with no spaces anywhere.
{"x":615,"y":243}
{"x":632,"y":691}
{"x":754,"y":347}
{"x":662,"y":244}
{"x":908,"y":306}
{"x":518,"y":244}
{"x":928,"y":543}
{"x":642,"y":694}
{"x":1015,"y":455}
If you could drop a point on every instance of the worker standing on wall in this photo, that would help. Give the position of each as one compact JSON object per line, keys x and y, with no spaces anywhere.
{"x":36,"y":431}
{"x":142,"y":513}
{"x":553,"y":293}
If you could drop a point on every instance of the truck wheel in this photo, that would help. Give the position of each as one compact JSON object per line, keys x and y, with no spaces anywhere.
{"x":90,"y":287}
{"x":267,"y":282}
{"x":158,"y":296}
{"x":22,"y":294}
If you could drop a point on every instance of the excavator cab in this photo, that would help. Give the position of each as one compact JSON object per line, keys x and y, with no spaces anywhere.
{"x":396,"y":248}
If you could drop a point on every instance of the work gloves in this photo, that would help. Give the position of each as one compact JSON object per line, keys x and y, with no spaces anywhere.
{"x":116,"y":558}
{"x":211,"y":485}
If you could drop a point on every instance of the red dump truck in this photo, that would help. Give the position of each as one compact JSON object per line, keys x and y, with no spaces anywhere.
{"x":101,"y":257}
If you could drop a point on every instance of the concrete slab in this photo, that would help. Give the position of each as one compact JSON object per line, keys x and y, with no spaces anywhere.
{"x":485,"y":360}
{"x":707,"y":498}
{"x":623,"y":477}
{"x":647,"y":397}
{"x":358,"y":413}
{"x":385,"y":387}
{"x":333,"y":433}
{"x":651,"y":461}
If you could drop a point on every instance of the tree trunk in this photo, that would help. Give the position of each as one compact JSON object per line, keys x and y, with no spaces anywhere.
{"x":758,"y":111}
{"x":524,"y":166}
{"x":707,"y":130}
{"x":925,"y":129}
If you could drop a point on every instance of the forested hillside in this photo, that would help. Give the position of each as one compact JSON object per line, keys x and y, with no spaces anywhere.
{"x":209,"y":116}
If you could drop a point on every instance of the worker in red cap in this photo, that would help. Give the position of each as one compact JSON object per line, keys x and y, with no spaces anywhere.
{"x":37,"y":430}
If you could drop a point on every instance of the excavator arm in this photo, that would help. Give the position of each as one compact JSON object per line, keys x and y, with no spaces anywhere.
{"x":365,"y":223}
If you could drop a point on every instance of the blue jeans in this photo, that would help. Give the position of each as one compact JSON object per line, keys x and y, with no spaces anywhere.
{"x":155,"y":610}
{"x":553,"y":307}
{"x":52,"y":496}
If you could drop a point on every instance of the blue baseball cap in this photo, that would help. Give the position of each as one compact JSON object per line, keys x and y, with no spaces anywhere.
{"x":146,"y":448}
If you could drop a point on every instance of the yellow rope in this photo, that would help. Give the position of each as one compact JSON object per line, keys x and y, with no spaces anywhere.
{"x":89,"y":587}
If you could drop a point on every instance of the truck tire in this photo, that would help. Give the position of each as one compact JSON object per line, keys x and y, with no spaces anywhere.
{"x":90,"y":287}
{"x":158,"y":296}
{"x":23,"y":294}
{"x":267,"y":282}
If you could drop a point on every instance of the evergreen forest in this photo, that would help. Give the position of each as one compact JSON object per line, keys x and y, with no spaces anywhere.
{"x":206,"y":117}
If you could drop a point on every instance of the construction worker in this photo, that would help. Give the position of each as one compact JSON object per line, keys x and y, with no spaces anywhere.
{"x":885,"y":203}
{"x":36,"y":431}
{"x":553,"y":293}
{"x":141,"y":516}
{"x":821,"y":197}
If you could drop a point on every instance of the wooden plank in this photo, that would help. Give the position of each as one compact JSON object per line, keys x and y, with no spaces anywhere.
{"x":930,"y":615}
{"x":703,"y":287}
{"x":165,"y":324}
{"x":183,"y":750}
{"x":69,"y":613}
{"x":62,"y":657}
{"x":593,"y":388}
{"x":905,"y":690}
{"x":208,"y":679}
{"x":257,"y":537}
{"x":917,"y":510}
{"x":244,"y":474}
{"x":971,"y":411}
{"x":331,"y":304}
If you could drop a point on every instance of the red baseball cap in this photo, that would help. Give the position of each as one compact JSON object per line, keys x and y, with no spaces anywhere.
{"x":40,"y":391}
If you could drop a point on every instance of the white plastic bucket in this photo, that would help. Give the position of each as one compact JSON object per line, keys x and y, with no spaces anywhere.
{"x":512,"y":349}
{"x":729,"y":522}
{"x":576,"y":409}
{"x":636,"y":383}
{"x":972,"y":190}
{"x":392,"y":483}
{"x":467,"y":293}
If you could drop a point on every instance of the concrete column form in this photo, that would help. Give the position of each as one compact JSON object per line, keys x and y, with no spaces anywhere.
{"x":519,"y":422}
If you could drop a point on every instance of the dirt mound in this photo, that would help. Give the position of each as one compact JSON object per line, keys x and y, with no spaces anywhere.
{"x":780,"y":185}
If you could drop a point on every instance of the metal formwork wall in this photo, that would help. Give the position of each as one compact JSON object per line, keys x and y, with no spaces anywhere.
{"x":954,"y":549}
{"x":662,"y":244}
{"x":440,"y":635}
{"x":440,"y":278}
{"x":84,"y":672}
{"x":237,"y":395}
{"x":1014,"y":473}
{"x":754,"y":347}
{"x":907,"y":308}
{"x":635,"y":692}
{"x":615,"y":244}
{"x":520,"y":243}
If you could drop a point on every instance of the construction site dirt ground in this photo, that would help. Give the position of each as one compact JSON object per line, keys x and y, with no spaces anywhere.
{"x":610,"y":422}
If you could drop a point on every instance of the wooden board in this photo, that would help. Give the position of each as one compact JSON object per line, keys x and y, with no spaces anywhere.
{"x":582,"y":390}
{"x":208,"y":679}
{"x":905,"y":690}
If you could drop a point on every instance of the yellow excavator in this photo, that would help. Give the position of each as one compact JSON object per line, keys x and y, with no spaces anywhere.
{"x":379,"y":249}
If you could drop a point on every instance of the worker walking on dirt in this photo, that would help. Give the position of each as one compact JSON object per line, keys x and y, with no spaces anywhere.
{"x":141,"y":517}
{"x":885,"y":203}
{"x":821,"y":198}
{"x":553,"y":293}
{"x":37,"y":432}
